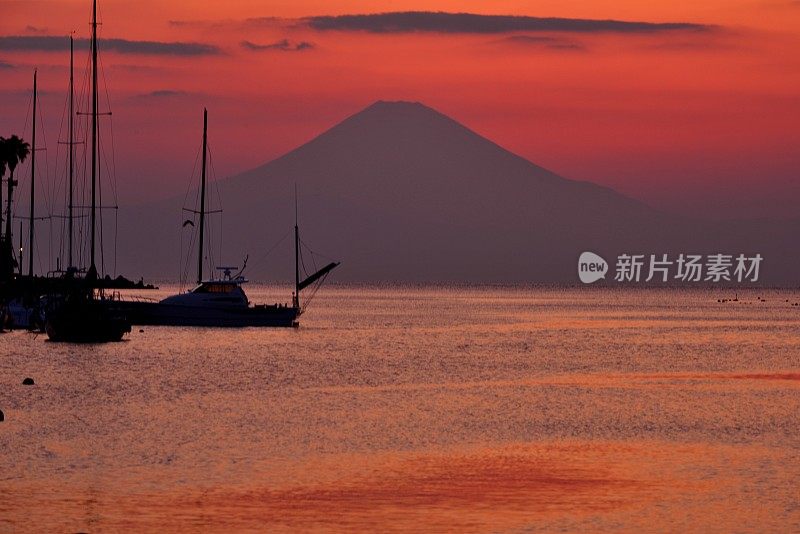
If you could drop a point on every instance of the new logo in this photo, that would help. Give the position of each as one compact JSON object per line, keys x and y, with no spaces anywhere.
{"x":591,"y":267}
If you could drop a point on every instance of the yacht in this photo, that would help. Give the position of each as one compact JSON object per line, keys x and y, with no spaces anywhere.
{"x":221,"y":301}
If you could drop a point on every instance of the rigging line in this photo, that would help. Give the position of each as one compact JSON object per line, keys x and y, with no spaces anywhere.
{"x":45,"y":179}
{"x":320,"y":254}
{"x":191,"y":186}
{"x":84,"y":125}
{"x":84,"y":89}
{"x":184,"y":272}
{"x":82,"y":179}
{"x":180,"y":262}
{"x":210,"y":240}
{"x":111,"y":182}
{"x":56,"y":184}
{"x":189,"y":256}
{"x":80,"y":161}
{"x":215,"y":183}
{"x":313,"y":261}
{"x":112,"y":169}
{"x":101,"y":242}
{"x":50,"y":240}
{"x":27,"y":116}
{"x":209,"y":237}
{"x":213,"y":173}
{"x":85,"y":232}
{"x":191,"y":177}
{"x":38,"y":257}
{"x":272,"y":248}
{"x":303,"y":263}
{"x":114,"y":191}
{"x":111,"y":172}
{"x":27,"y":218}
{"x":197,"y":212}
{"x":315,"y":288}
{"x":313,"y":255}
{"x":184,"y":264}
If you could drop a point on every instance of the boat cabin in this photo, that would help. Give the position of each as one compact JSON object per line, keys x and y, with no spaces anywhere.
{"x":224,"y":292}
{"x":217,"y":286}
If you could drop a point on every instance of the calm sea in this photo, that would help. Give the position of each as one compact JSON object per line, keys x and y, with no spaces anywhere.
{"x":418,"y":408}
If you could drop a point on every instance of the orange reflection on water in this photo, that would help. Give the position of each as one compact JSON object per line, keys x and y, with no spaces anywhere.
{"x":571,"y":486}
{"x":464,"y":490}
{"x":420,"y":409}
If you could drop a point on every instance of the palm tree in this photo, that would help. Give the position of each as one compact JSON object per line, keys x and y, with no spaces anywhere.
{"x":15,"y":151}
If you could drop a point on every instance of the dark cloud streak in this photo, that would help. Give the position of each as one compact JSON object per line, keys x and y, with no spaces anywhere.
{"x":284,"y":45}
{"x":440,"y":22}
{"x":162,"y":93}
{"x":50,"y":43}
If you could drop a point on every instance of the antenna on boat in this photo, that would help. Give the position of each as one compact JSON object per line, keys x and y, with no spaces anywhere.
{"x":33,"y":182}
{"x":202,"y":199}
{"x":296,"y":254}
{"x":244,"y":266}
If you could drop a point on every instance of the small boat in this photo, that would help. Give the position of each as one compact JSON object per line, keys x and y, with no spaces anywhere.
{"x":25,"y":315}
{"x":86,"y":321}
{"x":222,"y":302}
{"x":85,"y":315}
{"x":215,"y":303}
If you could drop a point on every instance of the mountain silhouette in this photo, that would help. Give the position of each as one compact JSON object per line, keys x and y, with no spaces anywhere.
{"x":401,"y":192}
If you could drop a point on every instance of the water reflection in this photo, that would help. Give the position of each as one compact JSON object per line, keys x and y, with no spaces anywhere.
{"x":469,"y":409}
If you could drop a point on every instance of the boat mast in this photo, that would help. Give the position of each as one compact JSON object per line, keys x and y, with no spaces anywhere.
{"x":296,"y":254}
{"x":92,"y":267}
{"x":202,"y":199}
{"x":33,"y":183}
{"x":71,"y":113}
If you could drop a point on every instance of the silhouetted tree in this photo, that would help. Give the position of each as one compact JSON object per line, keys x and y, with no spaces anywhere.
{"x":15,"y":150}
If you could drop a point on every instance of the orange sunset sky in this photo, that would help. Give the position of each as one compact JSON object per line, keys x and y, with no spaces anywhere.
{"x":703,"y":118}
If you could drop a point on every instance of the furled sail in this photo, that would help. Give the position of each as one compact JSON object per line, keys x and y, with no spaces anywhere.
{"x":317,"y":275}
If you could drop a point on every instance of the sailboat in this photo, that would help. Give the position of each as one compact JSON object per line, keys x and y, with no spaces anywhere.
{"x":22,"y":293}
{"x":25,"y":305}
{"x":81,"y":311}
{"x":221,"y":301}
